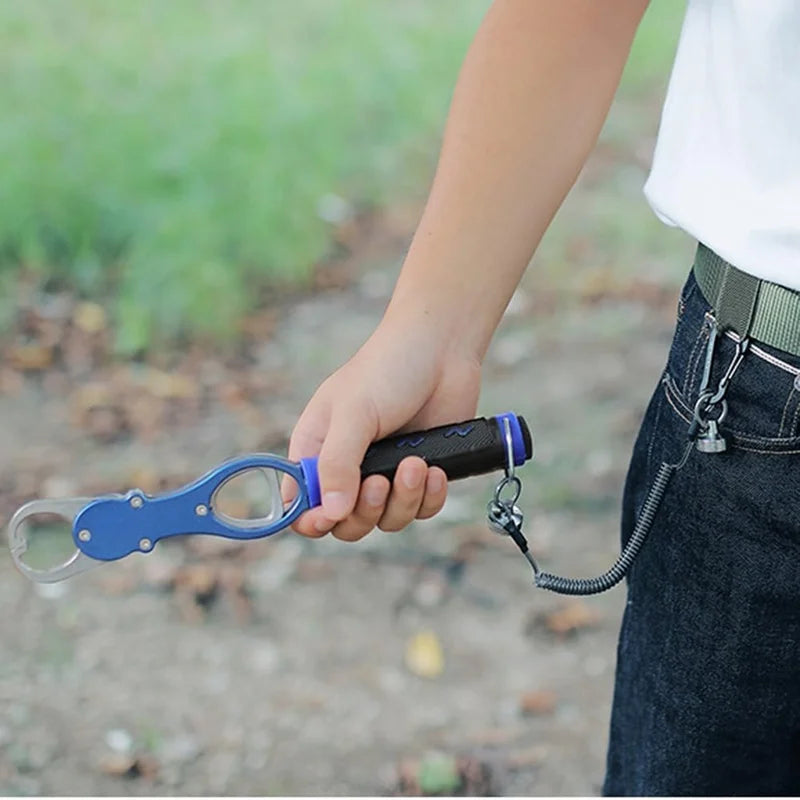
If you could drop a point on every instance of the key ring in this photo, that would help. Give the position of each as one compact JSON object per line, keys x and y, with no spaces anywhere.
{"x":510,"y":478}
{"x":706,"y":402}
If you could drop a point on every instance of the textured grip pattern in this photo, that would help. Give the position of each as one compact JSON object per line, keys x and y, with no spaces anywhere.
{"x":472,"y":447}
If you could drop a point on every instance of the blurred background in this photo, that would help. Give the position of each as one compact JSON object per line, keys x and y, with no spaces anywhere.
{"x":203,"y":209}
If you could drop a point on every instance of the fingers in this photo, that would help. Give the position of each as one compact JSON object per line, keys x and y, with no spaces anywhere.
{"x":407,"y":495}
{"x":418,"y":492}
{"x":368,"y":511}
{"x":349,"y":434}
{"x":305,"y":442}
{"x":340,"y":445}
{"x":435,"y":493}
{"x":349,"y":509}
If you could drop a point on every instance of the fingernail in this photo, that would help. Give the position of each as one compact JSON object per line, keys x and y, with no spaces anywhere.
{"x":375,"y":494}
{"x":435,"y":481}
{"x":323,"y":525}
{"x":412,"y":478}
{"x":335,"y":504}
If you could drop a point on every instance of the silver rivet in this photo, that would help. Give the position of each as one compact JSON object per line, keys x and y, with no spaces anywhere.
{"x":201,"y":510}
{"x":84,"y":535}
{"x":145,"y":544}
{"x":136,"y":501}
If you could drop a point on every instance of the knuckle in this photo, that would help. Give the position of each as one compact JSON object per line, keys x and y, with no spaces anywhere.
{"x":308,"y":532}
{"x":430,"y":507}
{"x":392,"y":524}
{"x":351,"y":533}
{"x":306,"y":526}
{"x":389,"y":527}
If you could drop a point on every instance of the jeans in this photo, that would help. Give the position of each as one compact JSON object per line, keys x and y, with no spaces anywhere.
{"x":707,"y":691}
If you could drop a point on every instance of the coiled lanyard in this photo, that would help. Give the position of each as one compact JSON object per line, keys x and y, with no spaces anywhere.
{"x":710,"y":410}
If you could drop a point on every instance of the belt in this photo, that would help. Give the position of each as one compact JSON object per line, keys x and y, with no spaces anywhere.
{"x":748,"y":305}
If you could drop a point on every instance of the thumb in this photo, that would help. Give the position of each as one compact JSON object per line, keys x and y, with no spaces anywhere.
{"x":350,"y":432}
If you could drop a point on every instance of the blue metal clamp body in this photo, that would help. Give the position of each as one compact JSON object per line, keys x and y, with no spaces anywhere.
{"x":112,"y":527}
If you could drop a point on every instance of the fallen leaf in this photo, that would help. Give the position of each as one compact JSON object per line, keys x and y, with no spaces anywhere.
{"x":333,"y":276}
{"x":259,"y":326}
{"x":538,"y":702}
{"x":145,"y":478}
{"x":89,"y":317}
{"x":105,"y":424}
{"x":233,"y":395}
{"x":199,"y":579}
{"x":147,"y":766}
{"x":170,"y":386}
{"x":30,"y":357}
{"x":92,"y":395}
{"x":424,"y":655}
{"x":120,"y":765}
{"x":569,"y":618}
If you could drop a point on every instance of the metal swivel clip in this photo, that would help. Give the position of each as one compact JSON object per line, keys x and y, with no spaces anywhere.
{"x":704,"y":428}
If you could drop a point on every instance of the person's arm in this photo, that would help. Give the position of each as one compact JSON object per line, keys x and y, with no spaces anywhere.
{"x":531,"y":98}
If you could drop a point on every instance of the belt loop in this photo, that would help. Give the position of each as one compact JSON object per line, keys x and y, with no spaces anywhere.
{"x":736,"y":300}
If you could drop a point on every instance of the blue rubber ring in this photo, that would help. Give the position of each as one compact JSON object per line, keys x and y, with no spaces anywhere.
{"x":517,"y":440}
{"x":311,"y":475}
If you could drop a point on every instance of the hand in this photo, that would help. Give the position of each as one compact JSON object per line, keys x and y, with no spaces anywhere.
{"x":403,"y":378}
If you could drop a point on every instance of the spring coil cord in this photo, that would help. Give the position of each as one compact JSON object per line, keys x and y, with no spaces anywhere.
{"x":585,"y":586}
{"x":506,"y":517}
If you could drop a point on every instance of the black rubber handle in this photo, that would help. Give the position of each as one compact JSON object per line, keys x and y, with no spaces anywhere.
{"x":472,"y":447}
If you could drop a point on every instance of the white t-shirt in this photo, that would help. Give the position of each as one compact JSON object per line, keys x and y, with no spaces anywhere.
{"x":726,"y":167}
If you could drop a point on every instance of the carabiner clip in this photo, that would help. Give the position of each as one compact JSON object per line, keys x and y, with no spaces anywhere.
{"x":708,"y":399}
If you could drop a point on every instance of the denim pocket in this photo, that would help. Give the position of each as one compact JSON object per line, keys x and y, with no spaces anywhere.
{"x":763,"y":396}
{"x":687,"y":351}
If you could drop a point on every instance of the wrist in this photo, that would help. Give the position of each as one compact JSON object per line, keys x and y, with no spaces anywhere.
{"x":442,"y":322}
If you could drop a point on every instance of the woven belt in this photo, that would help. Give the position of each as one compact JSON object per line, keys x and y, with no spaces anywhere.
{"x":748,"y":305}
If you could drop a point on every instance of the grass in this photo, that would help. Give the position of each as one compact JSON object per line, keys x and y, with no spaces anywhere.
{"x":174,"y":159}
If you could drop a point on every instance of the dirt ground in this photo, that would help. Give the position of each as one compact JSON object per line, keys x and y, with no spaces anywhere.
{"x":288,"y":666}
